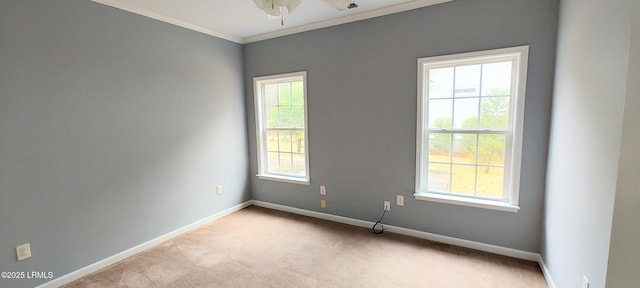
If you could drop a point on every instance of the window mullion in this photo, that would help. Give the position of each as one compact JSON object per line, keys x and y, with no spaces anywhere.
{"x":468,"y":131}
{"x":453,"y":120}
{"x":263,"y":124}
{"x":475,"y":188}
{"x":475,"y":182}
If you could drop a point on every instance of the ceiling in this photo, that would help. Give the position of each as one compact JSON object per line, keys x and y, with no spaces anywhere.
{"x":242,"y":22}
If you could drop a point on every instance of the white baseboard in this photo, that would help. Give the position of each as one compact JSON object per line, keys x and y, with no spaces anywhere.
{"x":546,"y":272}
{"x":314,"y":214}
{"x":530,"y":256}
{"x":68,"y":278}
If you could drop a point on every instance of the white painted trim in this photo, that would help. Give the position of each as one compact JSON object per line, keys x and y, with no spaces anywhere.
{"x":514,"y":141}
{"x":314,"y":214}
{"x":157,"y":16}
{"x":292,"y":180}
{"x":405,"y":231}
{"x":468,"y":201}
{"x":260,"y":117}
{"x":121,"y":4}
{"x":546,"y":272}
{"x":342,"y":20}
{"x":75,"y":275}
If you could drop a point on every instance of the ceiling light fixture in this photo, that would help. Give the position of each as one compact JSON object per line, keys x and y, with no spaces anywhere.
{"x":274,"y":7}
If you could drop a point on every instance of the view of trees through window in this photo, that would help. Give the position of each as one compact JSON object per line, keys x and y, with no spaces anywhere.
{"x":284,"y":113}
{"x":468,"y":124}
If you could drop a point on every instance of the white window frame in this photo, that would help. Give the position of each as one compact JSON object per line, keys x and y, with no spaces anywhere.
{"x":513,"y":146}
{"x":258,"y":87}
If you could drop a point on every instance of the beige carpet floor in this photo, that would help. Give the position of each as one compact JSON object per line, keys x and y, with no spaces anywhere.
{"x":258,"y":247}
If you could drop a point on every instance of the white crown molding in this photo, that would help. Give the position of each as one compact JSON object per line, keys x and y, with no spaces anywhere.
{"x":120,"y":4}
{"x":342,"y":20}
{"x":164,"y":18}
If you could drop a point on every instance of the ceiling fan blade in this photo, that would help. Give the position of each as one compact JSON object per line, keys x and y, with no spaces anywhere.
{"x":268,"y":6}
{"x":340,"y":4}
{"x":260,"y":4}
{"x":292,"y":5}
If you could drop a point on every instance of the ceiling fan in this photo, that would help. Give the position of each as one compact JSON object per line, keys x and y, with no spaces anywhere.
{"x":274,"y":7}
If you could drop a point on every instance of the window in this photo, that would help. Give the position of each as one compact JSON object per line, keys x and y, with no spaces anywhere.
{"x":470,"y":114}
{"x":281,"y":127}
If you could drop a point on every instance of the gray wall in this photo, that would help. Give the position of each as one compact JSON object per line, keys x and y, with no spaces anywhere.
{"x":362,"y":113}
{"x":590,"y":88}
{"x":115,"y":129}
{"x":624,"y":255}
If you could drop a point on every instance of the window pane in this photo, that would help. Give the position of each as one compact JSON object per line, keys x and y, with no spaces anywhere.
{"x":491,"y":149}
{"x":464,"y":179}
{"x":284,"y":140}
{"x":441,"y":83}
{"x":298,"y":142}
{"x":271,"y":95}
{"x":439,"y":147}
{"x":280,"y":112}
{"x":440,"y":113}
{"x":469,"y":137}
{"x":494,"y":113}
{"x":299,"y":164}
{"x":465,"y":113}
{"x":297,"y":91}
{"x":273,"y":162}
{"x":439,"y":177}
{"x":298,"y":116}
{"x":490,"y":181}
{"x":464,"y":148}
{"x":271,"y":116}
{"x":285,"y":117}
{"x":272,"y":140}
{"x":285,"y":163}
{"x":496,"y":79}
{"x":285,"y":93}
{"x":467,"y":81}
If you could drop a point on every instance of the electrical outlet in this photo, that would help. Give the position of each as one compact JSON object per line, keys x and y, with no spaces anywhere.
{"x":400,"y":200}
{"x":23,"y":251}
{"x":219,"y":189}
{"x":585,"y":282}
{"x":323,"y":190}
{"x":323,"y":204}
{"x":387,"y":206}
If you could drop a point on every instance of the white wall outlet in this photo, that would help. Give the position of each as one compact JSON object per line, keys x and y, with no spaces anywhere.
{"x":323,"y":203}
{"x":323,"y":190}
{"x":585,"y":282}
{"x":219,"y":189}
{"x":400,"y":200}
{"x":23,"y":251}
{"x":387,"y":206}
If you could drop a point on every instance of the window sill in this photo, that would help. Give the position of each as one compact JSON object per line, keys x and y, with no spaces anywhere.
{"x":293,"y":180}
{"x":464,"y":201}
